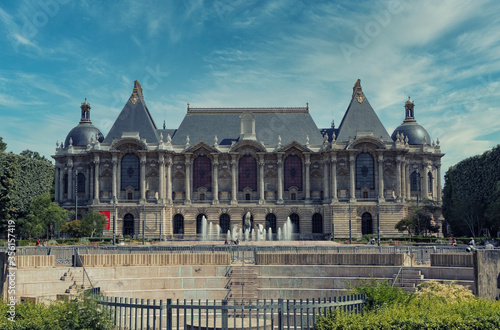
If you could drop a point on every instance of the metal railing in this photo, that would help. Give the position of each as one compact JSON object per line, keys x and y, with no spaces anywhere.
{"x":260,"y":314}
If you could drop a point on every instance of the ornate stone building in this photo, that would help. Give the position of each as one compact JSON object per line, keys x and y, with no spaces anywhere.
{"x":274,"y":163}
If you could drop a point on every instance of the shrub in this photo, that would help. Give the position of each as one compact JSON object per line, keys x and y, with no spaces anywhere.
{"x":58,"y":315}
{"x":379,"y":293}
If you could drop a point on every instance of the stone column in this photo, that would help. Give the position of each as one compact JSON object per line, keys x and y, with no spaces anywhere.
{"x":326,"y":194}
{"x":187,"y":184}
{"x":143,"y":178}
{"x":87,"y":183}
{"x":56,"y":186}
{"x":424,"y":181}
{"x":352,"y":181}
{"x":333,"y":175}
{"x":438,"y":182}
{"x":403,"y":180}
{"x":398,"y":178}
{"x":280,"y":178}
{"x":61,"y":185}
{"x":234,"y":190}
{"x":161,"y":163}
{"x":115,"y":170}
{"x":96,"y":180}
{"x":71,"y":193}
{"x":307,"y":162}
{"x":408,"y":183}
{"x":381,"y":192}
{"x":215,"y":179}
{"x":169,"y":179}
{"x":91,"y":180}
{"x":261,"y":179}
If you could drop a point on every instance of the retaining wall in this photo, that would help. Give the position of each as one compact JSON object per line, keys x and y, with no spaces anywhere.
{"x":35,"y":261}
{"x":380,"y":259}
{"x":487,"y":273}
{"x":452,"y":260}
{"x":111,"y":260}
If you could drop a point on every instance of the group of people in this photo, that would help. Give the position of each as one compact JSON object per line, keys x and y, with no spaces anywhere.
{"x":44,"y":242}
{"x":236,"y":242}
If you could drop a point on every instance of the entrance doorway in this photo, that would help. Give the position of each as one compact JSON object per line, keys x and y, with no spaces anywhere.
{"x":366,"y":224}
{"x":128,"y":225}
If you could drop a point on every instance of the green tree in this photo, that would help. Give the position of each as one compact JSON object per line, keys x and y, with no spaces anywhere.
{"x":3,"y":145}
{"x":493,"y":214}
{"x":420,"y":219}
{"x":470,"y":187}
{"x":92,"y":223}
{"x":72,"y":228}
{"x":48,"y":213}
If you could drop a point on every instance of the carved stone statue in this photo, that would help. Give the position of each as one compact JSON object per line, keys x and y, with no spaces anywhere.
{"x":248,"y":221}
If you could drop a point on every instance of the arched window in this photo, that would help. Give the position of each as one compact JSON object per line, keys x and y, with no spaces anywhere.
{"x":128,"y":225}
{"x":224,"y":223}
{"x":429,"y":182}
{"x":199,"y":223}
{"x":80,"y":183}
{"x":178,"y":224}
{"x":65,"y":183}
{"x":294,"y":219}
{"x":317,"y":223}
{"x":248,"y":173}
{"x":366,"y":224}
{"x":365,"y":175}
{"x":130,"y":171}
{"x":415,"y":181}
{"x":271,"y":222}
{"x":202,"y":173}
{"x":293,"y":172}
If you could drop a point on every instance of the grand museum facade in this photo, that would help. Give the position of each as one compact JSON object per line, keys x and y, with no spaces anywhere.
{"x":269,"y":163}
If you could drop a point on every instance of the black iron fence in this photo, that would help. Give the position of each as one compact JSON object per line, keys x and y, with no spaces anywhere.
{"x":260,"y":314}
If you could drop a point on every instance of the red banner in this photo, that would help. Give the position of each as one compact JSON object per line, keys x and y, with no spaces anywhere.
{"x":107,"y":215}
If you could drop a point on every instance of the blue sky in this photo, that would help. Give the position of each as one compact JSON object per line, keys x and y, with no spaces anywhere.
{"x":221,"y":53}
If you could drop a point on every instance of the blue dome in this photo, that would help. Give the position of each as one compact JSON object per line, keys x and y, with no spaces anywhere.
{"x":82,"y":134}
{"x":413,"y":131}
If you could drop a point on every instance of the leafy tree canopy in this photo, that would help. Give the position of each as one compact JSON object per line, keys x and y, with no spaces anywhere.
{"x":3,"y":145}
{"x":470,"y":188}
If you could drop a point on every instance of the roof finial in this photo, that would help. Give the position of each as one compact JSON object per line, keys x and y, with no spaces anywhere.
{"x":85,"y":107}
{"x":136,"y":92}
{"x":409,"y":113}
{"x":188,"y":106}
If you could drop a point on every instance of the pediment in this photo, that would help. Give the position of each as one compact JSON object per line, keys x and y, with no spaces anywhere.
{"x":201,"y":148}
{"x":248,"y":143}
{"x":128,"y":145}
{"x":294,"y":145}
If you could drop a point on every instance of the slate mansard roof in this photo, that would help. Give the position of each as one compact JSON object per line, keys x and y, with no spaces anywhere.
{"x":272,"y":125}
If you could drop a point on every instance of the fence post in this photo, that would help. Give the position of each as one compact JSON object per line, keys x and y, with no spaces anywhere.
{"x":281,"y":313}
{"x":224,"y":313}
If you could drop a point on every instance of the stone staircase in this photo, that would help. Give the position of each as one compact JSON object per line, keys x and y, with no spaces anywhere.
{"x":408,"y":279}
{"x":74,"y":289}
{"x":242,"y":283}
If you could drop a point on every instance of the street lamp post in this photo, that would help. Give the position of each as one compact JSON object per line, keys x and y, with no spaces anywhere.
{"x":114,"y":220}
{"x":76,"y":195}
{"x":143,"y":222}
{"x":378,"y":222}
{"x":350,"y":224}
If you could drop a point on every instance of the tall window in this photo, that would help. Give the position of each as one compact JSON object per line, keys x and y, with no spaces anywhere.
{"x":429,"y":182}
{"x":271,"y":222}
{"x":80,"y":183}
{"x":130,"y":171}
{"x":224,"y":223}
{"x":415,"y":181}
{"x":294,"y":219}
{"x":317,"y":223}
{"x":65,"y":184}
{"x":178,"y":224}
{"x":365,"y":175}
{"x":293,"y":172}
{"x":248,"y":173}
{"x":202,"y":173}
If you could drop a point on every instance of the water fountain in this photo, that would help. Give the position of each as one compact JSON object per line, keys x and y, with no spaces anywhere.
{"x":270,"y":234}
